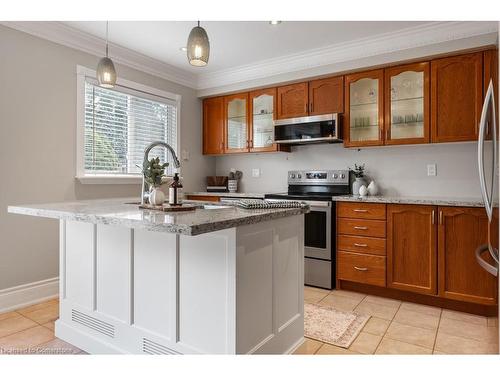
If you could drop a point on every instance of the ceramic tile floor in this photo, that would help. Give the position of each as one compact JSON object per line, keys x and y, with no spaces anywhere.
{"x":31,"y":331}
{"x":397,"y":327}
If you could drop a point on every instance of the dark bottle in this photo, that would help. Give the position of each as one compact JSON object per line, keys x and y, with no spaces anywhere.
{"x":175,"y":192}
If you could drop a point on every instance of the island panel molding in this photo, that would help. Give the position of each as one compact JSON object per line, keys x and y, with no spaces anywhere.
{"x":134,"y":291}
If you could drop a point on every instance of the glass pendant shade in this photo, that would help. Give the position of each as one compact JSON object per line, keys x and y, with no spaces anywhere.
{"x":106,"y":73}
{"x":198,"y":46}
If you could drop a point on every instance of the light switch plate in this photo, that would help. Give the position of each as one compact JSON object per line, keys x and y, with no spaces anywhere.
{"x":255,"y":172}
{"x":431,"y":170}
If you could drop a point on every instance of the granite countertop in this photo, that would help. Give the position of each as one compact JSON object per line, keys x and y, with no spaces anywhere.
{"x":227,"y":194}
{"x":120,"y":212}
{"x":436,"y":201}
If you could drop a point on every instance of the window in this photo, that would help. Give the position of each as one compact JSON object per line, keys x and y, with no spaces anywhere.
{"x":116,"y":125}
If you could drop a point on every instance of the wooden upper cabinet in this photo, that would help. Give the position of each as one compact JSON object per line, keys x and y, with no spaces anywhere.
{"x":326,"y":96}
{"x":213,"y":126}
{"x":411,"y":248}
{"x":262,"y":108}
{"x":292,"y":101}
{"x":456,"y":97}
{"x":236,"y":121}
{"x":407,"y":102}
{"x":461,"y":231}
{"x":364,"y":109}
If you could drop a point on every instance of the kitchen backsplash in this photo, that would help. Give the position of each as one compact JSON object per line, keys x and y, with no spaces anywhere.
{"x":398,"y":170}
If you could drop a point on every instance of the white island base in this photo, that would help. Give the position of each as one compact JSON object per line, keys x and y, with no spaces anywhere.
{"x":233,"y":291}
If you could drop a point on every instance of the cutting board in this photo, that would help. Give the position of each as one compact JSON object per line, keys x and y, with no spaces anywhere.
{"x":168,"y":208}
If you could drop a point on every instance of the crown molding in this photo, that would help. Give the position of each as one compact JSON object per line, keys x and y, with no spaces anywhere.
{"x":410,"y":38}
{"x":68,"y":36}
{"x":432,"y":33}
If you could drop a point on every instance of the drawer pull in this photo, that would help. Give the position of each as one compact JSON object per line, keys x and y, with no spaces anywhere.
{"x":360,"y":268}
{"x":359,"y":210}
{"x":361,"y":228}
{"x":360,"y":244}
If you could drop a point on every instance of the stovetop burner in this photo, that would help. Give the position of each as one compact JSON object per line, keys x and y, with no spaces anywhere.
{"x":305,"y":197}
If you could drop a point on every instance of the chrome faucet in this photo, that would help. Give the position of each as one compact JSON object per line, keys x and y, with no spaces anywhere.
{"x":177,"y":164}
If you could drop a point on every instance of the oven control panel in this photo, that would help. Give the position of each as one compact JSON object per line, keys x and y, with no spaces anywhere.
{"x":319,"y":177}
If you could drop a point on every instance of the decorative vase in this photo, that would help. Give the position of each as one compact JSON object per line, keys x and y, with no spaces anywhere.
{"x":372,"y":188}
{"x":156,"y":196}
{"x":358,"y":182}
{"x":363,"y":191}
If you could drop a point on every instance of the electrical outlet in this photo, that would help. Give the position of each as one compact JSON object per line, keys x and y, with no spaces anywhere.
{"x":255,"y":172}
{"x":431,"y":170}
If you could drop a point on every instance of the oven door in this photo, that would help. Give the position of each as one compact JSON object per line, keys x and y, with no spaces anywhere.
{"x":318,"y":230}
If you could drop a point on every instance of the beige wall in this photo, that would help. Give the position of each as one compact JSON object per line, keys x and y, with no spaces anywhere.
{"x":37,"y":147}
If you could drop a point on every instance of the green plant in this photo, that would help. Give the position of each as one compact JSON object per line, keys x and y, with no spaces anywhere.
{"x":153,"y":171}
{"x":359,"y":170}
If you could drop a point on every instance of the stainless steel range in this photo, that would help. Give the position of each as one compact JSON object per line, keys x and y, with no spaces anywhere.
{"x":317,"y":187}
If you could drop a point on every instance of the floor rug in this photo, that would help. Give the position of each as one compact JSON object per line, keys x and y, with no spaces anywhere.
{"x":332,"y":326}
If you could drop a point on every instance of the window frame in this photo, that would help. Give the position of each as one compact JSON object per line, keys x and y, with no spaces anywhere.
{"x":151,"y":93}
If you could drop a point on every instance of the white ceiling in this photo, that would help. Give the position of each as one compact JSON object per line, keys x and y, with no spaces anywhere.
{"x":256,"y":54}
{"x":233,"y":44}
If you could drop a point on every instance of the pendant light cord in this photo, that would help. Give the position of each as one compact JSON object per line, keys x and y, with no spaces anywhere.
{"x":107,"y":38}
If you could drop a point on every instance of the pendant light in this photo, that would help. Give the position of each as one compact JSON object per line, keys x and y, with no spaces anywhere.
{"x":106,"y":73}
{"x":198,"y":46}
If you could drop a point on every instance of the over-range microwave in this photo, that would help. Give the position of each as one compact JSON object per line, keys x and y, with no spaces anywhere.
{"x":306,"y":130}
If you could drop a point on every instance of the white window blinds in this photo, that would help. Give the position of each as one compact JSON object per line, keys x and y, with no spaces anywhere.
{"x":120,"y":123}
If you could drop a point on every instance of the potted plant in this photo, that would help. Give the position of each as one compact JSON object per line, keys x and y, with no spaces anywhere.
{"x":359,"y":174}
{"x":153,"y":171}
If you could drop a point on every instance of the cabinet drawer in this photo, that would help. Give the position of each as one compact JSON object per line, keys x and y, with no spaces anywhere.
{"x":358,"y":244}
{"x":366,"y":269}
{"x":357,"y":210}
{"x":360,"y":227}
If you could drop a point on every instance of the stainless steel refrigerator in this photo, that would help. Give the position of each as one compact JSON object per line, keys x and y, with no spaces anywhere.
{"x":487,"y":254}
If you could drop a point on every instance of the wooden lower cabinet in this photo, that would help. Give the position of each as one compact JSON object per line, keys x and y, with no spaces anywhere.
{"x":361,"y":268}
{"x":411,"y":248}
{"x":205,"y":198}
{"x":461,"y":231}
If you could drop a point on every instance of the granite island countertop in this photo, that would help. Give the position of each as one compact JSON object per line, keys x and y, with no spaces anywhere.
{"x":122,"y":212}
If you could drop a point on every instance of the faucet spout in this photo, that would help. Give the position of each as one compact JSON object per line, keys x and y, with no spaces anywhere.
{"x":177,"y":164}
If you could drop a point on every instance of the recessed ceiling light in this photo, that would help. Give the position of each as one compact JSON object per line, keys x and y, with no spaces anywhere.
{"x":274,"y":22}
{"x":183,"y":49}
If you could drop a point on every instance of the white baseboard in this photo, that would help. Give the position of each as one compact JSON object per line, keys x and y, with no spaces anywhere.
{"x":28,"y":294}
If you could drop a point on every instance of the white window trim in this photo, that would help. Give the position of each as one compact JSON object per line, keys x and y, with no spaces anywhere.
{"x":87,"y":178}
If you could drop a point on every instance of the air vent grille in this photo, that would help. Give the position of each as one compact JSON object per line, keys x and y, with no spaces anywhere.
{"x":93,"y":323}
{"x":151,"y":347}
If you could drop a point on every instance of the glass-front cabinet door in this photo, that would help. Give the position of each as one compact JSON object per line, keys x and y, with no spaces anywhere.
{"x":236,"y":129}
{"x":407,"y":104}
{"x":364,"y":120}
{"x":262,"y":115}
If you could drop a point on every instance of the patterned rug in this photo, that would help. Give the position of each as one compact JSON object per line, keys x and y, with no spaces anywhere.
{"x":334,"y":327}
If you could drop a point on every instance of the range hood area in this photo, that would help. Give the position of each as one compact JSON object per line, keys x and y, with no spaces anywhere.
{"x":308,"y":130}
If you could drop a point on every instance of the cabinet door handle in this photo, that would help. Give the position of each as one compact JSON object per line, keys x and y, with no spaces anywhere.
{"x":440,"y":217}
{"x":361,"y":228}
{"x":360,"y":244}
{"x":307,"y":106}
{"x":360,"y":268}
{"x":433,"y":215}
{"x":360,"y":210}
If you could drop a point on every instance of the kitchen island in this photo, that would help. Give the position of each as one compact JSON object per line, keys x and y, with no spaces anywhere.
{"x":220,"y":279}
